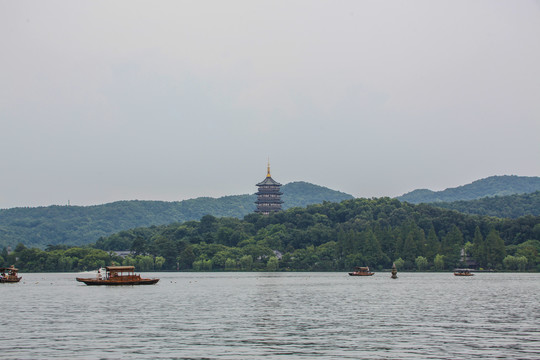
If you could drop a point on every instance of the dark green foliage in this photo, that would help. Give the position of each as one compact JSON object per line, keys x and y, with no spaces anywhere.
{"x":451,"y":246}
{"x":80,"y":225}
{"x":320,"y":237}
{"x":479,"y":249}
{"x":488,"y":187}
{"x":511,"y":206}
{"x":494,"y":249}
{"x":62,"y":260}
{"x":529,"y":249}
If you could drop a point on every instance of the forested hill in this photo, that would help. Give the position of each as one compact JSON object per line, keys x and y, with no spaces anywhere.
{"x":322,"y":237}
{"x":302,"y":194}
{"x":511,"y":206}
{"x":79,"y":225}
{"x":488,"y":187}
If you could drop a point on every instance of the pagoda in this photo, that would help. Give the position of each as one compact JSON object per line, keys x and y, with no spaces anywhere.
{"x":268,"y":196}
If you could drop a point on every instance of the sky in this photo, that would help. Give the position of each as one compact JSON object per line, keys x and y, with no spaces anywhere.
{"x":103,"y":101}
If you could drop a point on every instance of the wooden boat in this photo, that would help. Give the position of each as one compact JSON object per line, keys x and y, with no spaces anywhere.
{"x":361,"y":271}
{"x":117,"y":275}
{"x":463,"y":272}
{"x":9,"y":275}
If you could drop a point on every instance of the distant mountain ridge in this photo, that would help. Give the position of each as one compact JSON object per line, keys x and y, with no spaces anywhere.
{"x":80,"y":225}
{"x":510,"y":206}
{"x":488,"y":187}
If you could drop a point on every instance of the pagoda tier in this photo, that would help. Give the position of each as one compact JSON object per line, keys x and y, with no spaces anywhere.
{"x":268,"y":196}
{"x":269,"y":192}
{"x":268,"y":200}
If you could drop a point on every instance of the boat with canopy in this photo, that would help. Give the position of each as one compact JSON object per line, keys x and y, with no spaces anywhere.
{"x":9,"y":275}
{"x":361,"y":271}
{"x":463,"y":272}
{"x":117,"y":275}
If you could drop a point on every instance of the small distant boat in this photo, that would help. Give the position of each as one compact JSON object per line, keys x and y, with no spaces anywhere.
{"x":463,"y":272}
{"x":361,"y":271}
{"x":9,"y":275}
{"x":117,"y":275}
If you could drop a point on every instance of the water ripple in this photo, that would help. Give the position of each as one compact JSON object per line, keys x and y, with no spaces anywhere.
{"x":275,"y":316}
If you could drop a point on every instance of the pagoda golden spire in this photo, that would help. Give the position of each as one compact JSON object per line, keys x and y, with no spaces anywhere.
{"x":268,"y":171}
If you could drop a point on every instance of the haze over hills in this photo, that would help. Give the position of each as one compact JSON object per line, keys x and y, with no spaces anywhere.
{"x":488,"y":187}
{"x":79,"y":225}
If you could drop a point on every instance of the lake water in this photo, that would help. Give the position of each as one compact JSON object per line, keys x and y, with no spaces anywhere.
{"x":274,"y":316}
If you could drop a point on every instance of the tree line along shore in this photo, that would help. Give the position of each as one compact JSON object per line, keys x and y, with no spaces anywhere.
{"x":322,"y":237}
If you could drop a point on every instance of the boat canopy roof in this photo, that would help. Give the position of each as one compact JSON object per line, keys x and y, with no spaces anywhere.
{"x":120,"y":268}
{"x":8,"y":268}
{"x":463,"y":270}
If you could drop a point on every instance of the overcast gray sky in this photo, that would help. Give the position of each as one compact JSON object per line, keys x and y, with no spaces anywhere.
{"x":169,"y":100}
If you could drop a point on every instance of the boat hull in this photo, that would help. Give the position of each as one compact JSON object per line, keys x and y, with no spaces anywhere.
{"x":360,"y":274}
{"x":463,"y":272}
{"x":111,"y":282}
{"x":10,"y":280}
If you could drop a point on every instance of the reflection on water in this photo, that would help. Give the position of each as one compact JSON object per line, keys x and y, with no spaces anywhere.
{"x":274,"y":315}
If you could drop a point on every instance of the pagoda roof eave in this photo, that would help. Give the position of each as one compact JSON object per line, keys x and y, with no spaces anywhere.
{"x":268,"y":181}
